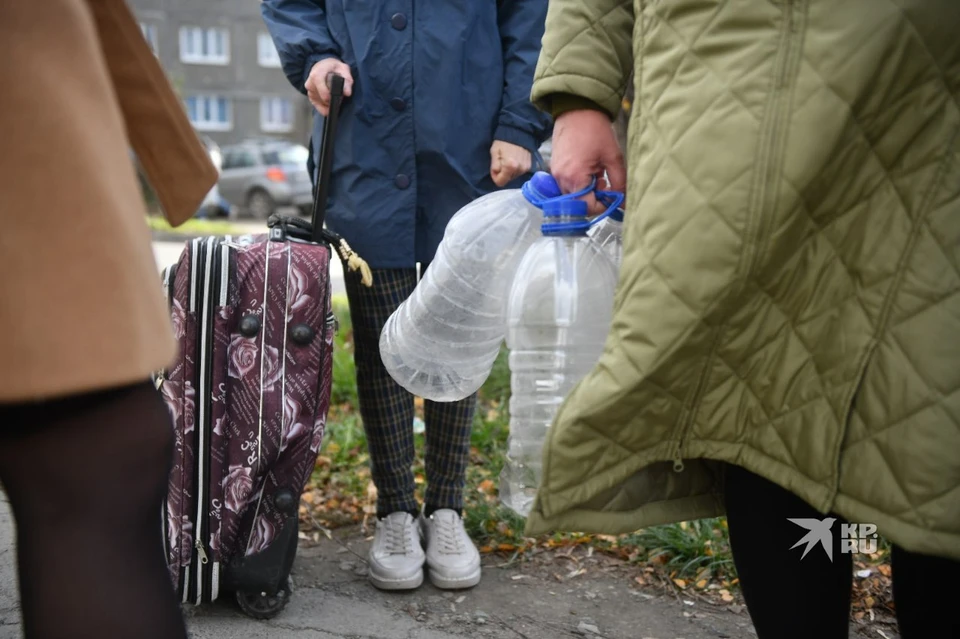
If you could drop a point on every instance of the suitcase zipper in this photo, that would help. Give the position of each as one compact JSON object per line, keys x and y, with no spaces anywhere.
{"x":211,"y":295}
{"x":217,"y":289}
{"x":197,"y":263}
{"x":208,"y":253}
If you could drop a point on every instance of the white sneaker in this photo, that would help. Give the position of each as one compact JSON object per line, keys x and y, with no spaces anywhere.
{"x":452,"y":558}
{"x":396,"y":558}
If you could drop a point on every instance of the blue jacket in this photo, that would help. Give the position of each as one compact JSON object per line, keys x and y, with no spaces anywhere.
{"x":435,"y":83}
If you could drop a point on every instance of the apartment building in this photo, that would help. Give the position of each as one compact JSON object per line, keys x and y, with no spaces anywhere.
{"x":223,"y":63}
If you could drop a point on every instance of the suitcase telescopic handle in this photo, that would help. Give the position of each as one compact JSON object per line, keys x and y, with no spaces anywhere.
{"x":325,"y":164}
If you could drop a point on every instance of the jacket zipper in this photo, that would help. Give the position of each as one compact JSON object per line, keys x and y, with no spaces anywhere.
{"x":773,"y":134}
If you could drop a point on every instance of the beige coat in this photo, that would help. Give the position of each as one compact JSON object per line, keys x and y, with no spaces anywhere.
{"x":80,"y":302}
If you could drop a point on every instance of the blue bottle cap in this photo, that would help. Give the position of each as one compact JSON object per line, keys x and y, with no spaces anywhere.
{"x":541,"y":187}
{"x":565,"y":208}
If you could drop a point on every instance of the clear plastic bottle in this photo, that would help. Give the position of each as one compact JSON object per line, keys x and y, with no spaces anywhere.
{"x":608,"y":234}
{"x":442,"y":341}
{"x":558,"y":317}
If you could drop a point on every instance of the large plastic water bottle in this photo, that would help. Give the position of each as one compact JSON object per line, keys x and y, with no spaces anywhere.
{"x":608,"y":234}
{"x":442,"y":341}
{"x":558,"y":316}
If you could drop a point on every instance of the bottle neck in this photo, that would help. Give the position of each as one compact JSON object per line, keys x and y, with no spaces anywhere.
{"x":565,"y":226}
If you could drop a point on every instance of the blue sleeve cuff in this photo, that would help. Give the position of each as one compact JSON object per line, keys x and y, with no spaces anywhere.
{"x":311,"y":61}
{"x":513,"y":135}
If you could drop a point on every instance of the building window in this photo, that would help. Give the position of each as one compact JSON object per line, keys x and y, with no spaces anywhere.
{"x":267,"y":52}
{"x":276,"y":115}
{"x":210,"y":112}
{"x":204,"y":46}
{"x":150,"y":35}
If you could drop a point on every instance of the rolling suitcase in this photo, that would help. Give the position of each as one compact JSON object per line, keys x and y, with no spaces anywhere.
{"x":249,"y":395}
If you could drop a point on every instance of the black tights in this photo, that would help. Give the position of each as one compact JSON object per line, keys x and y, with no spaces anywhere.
{"x":793,"y":598}
{"x":86,"y":477}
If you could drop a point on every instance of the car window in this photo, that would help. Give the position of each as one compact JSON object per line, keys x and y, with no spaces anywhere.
{"x":239,"y":159}
{"x":293,"y":154}
{"x":271,"y":158}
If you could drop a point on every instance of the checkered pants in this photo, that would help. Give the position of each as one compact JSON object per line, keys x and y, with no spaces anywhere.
{"x":387,"y":409}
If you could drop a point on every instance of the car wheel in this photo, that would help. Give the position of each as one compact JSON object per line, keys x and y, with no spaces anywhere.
{"x":260,"y":204}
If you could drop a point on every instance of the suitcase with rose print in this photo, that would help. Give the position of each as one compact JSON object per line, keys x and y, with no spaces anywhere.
{"x":249,"y":395}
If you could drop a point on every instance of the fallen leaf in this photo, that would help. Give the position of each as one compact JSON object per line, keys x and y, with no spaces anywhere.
{"x":725,"y":595}
{"x":680,"y":583}
{"x":884,"y":570}
{"x":487,"y":487}
{"x":640,"y":580}
{"x":702,"y":584}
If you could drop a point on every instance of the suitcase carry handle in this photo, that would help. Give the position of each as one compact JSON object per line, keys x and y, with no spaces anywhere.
{"x":325,"y":165}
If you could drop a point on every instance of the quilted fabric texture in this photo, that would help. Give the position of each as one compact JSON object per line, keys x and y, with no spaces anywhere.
{"x":789,"y":299}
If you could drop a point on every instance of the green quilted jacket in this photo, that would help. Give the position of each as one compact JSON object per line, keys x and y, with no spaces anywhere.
{"x":789,"y":299}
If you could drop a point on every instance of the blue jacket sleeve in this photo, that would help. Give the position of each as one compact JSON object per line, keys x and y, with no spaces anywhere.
{"x":299,"y":31}
{"x":521,"y":25}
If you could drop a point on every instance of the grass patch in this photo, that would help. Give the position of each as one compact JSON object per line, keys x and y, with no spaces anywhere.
{"x":344,"y":370}
{"x":193,"y":227}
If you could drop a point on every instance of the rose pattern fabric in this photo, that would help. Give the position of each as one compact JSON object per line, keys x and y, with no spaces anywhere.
{"x":298,"y":293}
{"x":215,"y":541}
{"x":189,"y":408}
{"x":261,"y":537}
{"x":237,"y":487}
{"x":272,"y":371}
{"x":292,"y":428}
{"x":242,"y":356}
{"x":170,"y":391}
{"x":318,"y":428}
{"x":178,"y":318}
{"x":179,"y":532}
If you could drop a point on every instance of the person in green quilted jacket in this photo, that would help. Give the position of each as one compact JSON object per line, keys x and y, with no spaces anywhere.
{"x":785,"y":348}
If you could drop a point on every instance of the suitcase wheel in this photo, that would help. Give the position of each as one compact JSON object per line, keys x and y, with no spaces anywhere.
{"x":260,"y":605}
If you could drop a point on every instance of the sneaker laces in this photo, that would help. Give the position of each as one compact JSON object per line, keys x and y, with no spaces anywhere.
{"x":449,"y":536}
{"x":399,"y":540}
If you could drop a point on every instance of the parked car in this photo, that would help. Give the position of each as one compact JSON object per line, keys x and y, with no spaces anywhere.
{"x":261,"y":175}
